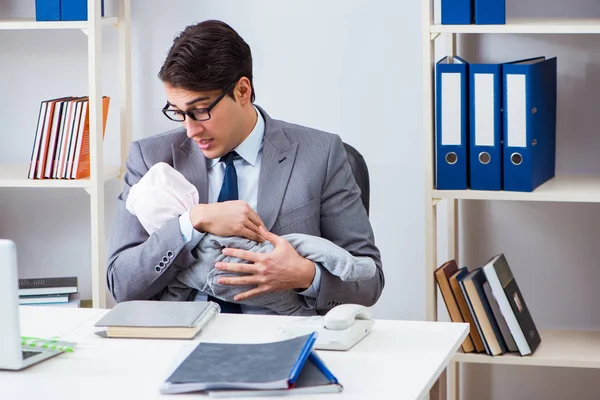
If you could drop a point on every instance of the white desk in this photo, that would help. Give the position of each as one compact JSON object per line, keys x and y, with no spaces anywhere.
{"x":399,"y":359}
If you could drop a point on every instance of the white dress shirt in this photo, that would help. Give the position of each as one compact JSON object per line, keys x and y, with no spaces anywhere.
{"x":247,"y":167}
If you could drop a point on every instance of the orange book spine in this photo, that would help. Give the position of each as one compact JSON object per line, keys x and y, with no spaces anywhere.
{"x":82,"y":163}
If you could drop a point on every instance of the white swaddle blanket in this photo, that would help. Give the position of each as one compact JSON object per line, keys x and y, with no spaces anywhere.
{"x":162,"y":194}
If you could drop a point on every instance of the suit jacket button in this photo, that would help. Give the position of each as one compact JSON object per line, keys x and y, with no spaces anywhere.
{"x":157,"y":268}
{"x":165,"y":259}
{"x":170,"y":254}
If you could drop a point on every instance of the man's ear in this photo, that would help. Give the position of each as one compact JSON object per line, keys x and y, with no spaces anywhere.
{"x":243,"y":91}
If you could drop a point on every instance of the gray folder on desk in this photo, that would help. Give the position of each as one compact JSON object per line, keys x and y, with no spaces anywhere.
{"x":314,"y":378}
{"x":240,"y":369}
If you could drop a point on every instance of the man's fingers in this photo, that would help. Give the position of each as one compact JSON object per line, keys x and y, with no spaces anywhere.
{"x":271,"y":237}
{"x":252,"y":234}
{"x":243,"y":254}
{"x":252,"y":226}
{"x":238,"y":280}
{"x":250,"y":293}
{"x":236,"y":267}
{"x":256,"y":219}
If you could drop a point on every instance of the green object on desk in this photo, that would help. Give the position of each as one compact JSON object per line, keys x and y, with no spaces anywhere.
{"x":51,"y":344}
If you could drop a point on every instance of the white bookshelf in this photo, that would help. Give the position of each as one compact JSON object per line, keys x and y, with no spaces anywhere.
{"x":15,"y":176}
{"x":570,"y":349}
{"x":32,"y":24}
{"x":526,"y":26}
{"x":570,"y":188}
{"x":566,"y":348}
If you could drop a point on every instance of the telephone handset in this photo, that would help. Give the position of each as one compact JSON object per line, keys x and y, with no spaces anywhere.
{"x":343,"y":316}
{"x":341,"y":328}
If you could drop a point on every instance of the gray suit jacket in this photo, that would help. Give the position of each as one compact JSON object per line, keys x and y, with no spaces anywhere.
{"x":305,"y":186}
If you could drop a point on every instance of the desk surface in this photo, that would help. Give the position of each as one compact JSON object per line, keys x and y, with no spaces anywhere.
{"x":399,"y":359}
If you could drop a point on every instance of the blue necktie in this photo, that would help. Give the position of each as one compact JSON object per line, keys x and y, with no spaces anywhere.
{"x":229,"y":191}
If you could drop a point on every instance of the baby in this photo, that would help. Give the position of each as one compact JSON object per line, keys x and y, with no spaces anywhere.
{"x":164,"y":193}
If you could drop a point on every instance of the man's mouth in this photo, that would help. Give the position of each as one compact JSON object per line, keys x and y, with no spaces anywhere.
{"x":204,"y":144}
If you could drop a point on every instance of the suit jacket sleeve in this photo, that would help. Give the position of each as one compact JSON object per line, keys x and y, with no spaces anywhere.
{"x":344,"y":221}
{"x":140,"y":266}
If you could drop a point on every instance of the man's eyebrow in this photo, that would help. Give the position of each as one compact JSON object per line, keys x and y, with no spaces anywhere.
{"x":189,"y":103}
{"x":201,"y":98}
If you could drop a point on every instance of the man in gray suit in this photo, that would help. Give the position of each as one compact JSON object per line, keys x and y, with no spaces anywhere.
{"x":257,"y":177}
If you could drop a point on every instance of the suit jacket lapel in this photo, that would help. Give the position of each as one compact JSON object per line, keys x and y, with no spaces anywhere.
{"x":276,"y":167}
{"x":190,"y":161}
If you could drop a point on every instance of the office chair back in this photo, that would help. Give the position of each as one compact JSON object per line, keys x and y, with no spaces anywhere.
{"x":360,"y":172}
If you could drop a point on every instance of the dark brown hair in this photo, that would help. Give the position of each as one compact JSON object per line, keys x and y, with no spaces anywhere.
{"x":207,"y":56}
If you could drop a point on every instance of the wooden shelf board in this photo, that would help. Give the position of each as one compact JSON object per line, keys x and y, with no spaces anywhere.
{"x":32,"y":24}
{"x":527,"y":26}
{"x":16,"y":176}
{"x":559,"y":348}
{"x":562,"y":188}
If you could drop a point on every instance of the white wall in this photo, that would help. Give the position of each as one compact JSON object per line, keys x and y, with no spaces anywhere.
{"x":349,"y":67}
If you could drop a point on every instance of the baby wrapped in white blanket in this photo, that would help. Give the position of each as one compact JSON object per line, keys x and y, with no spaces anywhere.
{"x":163,"y":194}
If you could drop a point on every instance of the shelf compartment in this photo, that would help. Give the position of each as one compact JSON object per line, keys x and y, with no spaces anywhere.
{"x":527,"y":26}
{"x":562,"y":188}
{"x":32,"y":24}
{"x":16,"y":176}
{"x":559,"y":348}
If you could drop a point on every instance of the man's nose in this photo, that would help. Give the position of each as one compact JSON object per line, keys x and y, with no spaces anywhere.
{"x":192,"y":127}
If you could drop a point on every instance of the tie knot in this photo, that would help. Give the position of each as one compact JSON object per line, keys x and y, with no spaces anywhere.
{"x":228,"y":158}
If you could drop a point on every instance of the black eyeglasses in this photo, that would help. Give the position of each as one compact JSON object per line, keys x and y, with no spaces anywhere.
{"x":198,"y":114}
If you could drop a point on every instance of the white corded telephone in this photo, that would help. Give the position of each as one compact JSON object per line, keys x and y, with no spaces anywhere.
{"x":341,"y":328}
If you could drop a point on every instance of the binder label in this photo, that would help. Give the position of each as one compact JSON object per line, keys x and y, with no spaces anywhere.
{"x":516,"y":111}
{"x":484,"y":110}
{"x":451,"y":109}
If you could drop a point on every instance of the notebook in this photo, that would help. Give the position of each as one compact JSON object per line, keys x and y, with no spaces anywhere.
{"x":314,"y":378}
{"x":256,"y":366}
{"x":158,"y":319}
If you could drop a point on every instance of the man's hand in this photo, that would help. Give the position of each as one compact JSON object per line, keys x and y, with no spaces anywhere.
{"x":228,"y":218}
{"x":280,"y":270}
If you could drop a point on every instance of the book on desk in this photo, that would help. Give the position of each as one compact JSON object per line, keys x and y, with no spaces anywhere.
{"x":257,"y":369}
{"x":145,"y":319}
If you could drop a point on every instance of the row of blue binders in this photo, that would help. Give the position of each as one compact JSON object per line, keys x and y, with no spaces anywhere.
{"x":63,"y":10}
{"x":495,"y":124}
{"x":480,"y":12}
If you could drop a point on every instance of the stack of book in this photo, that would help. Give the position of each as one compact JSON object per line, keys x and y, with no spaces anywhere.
{"x":60,"y":291}
{"x":489,"y":299}
{"x":61,"y":149}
